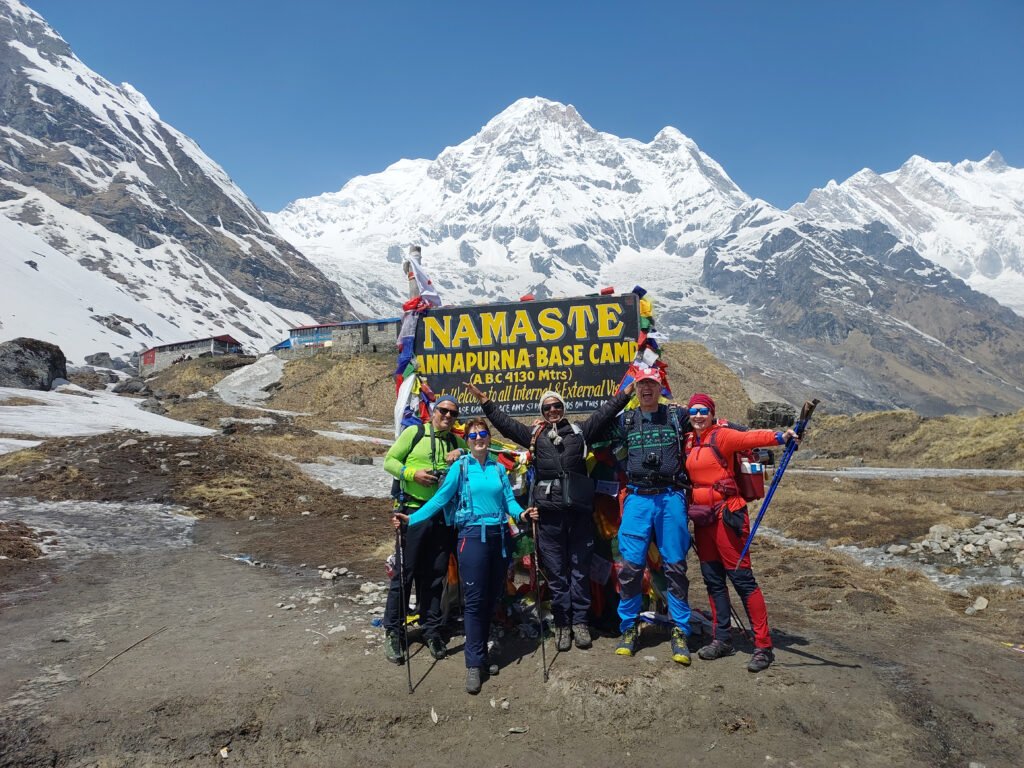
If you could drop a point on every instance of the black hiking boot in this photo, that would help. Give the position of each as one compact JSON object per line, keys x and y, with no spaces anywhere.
{"x":581,"y":635}
{"x":393,"y":651}
{"x":761,"y":660}
{"x":437,"y":648}
{"x":473,"y":680}
{"x":563,"y":641}
{"x":716,"y":649}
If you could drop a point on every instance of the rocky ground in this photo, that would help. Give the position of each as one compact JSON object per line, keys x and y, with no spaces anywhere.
{"x":240,"y":629}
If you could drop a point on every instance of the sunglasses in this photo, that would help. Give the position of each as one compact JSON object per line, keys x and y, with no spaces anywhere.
{"x":446,"y":411}
{"x":700,"y":411}
{"x":478,"y":435}
{"x":549,"y":406}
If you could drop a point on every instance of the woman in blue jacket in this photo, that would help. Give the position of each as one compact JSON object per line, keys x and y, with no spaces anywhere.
{"x":477,"y":495}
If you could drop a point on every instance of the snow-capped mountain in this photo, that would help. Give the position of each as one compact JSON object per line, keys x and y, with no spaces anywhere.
{"x":539,"y":202}
{"x":121,"y":208}
{"x":967,"y":217}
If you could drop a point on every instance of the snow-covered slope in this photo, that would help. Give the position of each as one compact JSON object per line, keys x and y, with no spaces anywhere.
{"x":967,"y":217}
{"x":539,"y":202}
{"x":90,"y":169}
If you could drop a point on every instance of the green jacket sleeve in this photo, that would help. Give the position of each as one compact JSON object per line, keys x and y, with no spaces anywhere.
{"x":399,"y":452}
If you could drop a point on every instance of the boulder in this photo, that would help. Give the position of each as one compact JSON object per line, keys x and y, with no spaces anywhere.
{"x":104,"y":360}
{"x":771,"y":415}
{"x":133,"y":387}
{"x":31,"y":364}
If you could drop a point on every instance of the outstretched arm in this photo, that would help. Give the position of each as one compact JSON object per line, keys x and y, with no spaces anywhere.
{"x":599,"y":419}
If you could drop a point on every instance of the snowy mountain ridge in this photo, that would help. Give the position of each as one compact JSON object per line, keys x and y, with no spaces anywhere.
{"x":175,"y":249}
{"x":539,"y":202}
{"x":967,"y":217}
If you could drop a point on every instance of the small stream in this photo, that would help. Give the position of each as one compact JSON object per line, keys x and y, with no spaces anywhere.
{"x":874,"y":557}
{"x":85,"y":528}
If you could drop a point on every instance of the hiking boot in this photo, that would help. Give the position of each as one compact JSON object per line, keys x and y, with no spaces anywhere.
{"x":473,"y":681}
{"x":716,"y":649}
{"x":761,"y":660}
{"x":627,"y":643}
{"x":680,"y":653}
{"x":437,"y":647}
{"x":563,"y":641}
{"x":581,"y":634}
{"x":393,"y":647}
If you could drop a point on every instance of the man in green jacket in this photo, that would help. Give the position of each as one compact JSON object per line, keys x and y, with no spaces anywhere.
{"x":419,"y":459}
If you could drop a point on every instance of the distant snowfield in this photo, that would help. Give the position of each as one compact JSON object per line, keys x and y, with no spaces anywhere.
{"x":73,"y":411}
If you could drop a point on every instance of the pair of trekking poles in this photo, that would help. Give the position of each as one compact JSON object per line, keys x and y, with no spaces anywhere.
{"x":400,"y":557}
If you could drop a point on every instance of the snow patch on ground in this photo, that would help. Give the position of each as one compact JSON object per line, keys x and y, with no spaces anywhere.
{"x":352,"y":479}
{"x":353,"y":437}
{"x":74,"y":411}
{"x":10,"y":445}
{"x":246,"y":386}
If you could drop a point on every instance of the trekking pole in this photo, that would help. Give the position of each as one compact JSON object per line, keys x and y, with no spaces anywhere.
{"x":536,"y":598}
{"x":400,"y":556}
{"x":791,"y":446}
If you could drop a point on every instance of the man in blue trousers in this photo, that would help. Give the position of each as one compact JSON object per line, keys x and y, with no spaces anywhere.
{"x":655,"y":505}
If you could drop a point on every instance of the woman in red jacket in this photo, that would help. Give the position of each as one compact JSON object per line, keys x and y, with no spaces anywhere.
{"x":721,"y":526}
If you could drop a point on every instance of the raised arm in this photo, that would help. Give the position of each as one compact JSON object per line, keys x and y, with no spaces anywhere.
{"x":596,"y":423}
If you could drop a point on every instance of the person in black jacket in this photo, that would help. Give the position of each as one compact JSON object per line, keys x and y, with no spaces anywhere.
{"x":566,"y":526}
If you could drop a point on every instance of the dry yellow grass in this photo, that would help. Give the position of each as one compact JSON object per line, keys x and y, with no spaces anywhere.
{"x":19,"y":400}
{"x":877,"y":512}
{"x":193,"y":376}
{"x":9,"y":461}
{"x":338,"y":389}
{"x":228,"y":488}
{"x":902,"y":438}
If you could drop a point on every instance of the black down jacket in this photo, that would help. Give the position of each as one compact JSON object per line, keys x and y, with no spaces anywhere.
{"x":551,"y":460}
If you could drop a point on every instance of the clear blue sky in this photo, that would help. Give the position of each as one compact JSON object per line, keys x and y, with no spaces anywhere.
{"x":295,"y":98}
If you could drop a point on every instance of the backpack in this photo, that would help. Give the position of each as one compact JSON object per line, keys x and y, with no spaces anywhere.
{"x":459,"y":511}
{"x":397,"y":489}
{"x":746,"y":473}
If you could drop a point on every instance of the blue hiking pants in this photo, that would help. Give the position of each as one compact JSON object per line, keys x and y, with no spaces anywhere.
{"x":482,"y":569}
{"x":662,"y":515}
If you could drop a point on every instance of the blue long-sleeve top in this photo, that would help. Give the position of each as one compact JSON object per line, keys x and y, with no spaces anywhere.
{"x":492,"y":497}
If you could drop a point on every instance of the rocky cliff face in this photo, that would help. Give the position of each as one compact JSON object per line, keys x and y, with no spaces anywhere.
{"x":91,"y":169}
{"x":539,"y":202}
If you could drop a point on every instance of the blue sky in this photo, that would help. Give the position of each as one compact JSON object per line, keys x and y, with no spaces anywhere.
{"x":294,"y":99}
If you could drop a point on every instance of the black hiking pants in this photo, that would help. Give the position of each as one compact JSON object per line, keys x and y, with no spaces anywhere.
{"x":425,"y":551}
{"x":566,"y":546}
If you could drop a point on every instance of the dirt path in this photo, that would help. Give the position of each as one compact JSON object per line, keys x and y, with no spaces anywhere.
{"x":874,"y":669}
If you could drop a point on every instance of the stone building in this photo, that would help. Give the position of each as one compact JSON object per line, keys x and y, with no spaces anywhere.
{"x":352,"y":337}
{"x":157,"y":358}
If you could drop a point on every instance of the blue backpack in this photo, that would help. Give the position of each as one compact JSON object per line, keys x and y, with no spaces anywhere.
{"x":459,"y":511}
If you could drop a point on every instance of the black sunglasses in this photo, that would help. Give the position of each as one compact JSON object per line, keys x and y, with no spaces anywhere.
{"x":446,"y":411}
{"x":548,"y":406}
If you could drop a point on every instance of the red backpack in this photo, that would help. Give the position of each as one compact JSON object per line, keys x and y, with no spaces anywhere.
{"x":746,"y":475}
